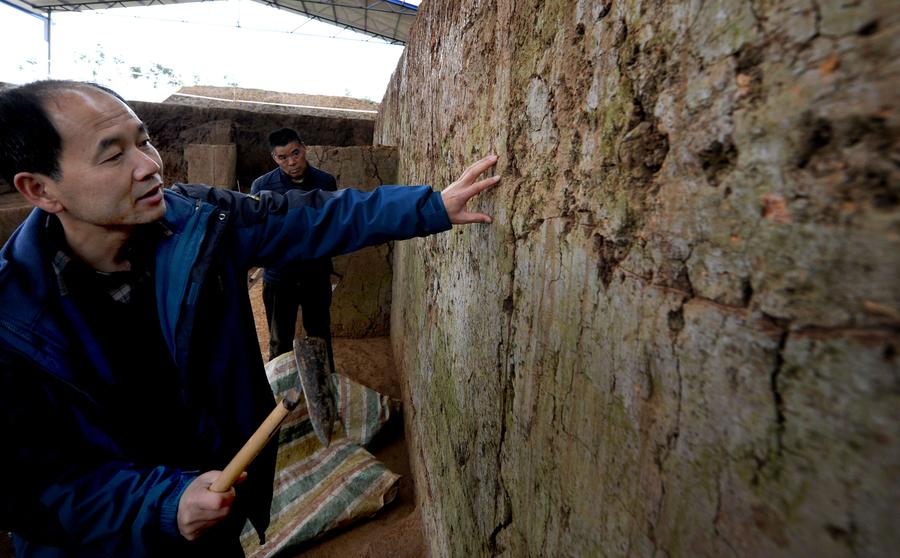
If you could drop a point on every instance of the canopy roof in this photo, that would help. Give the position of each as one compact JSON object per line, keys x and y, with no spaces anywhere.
{"x":386,"y":19}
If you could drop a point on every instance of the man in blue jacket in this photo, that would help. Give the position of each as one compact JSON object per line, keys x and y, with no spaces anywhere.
{"x":129,"y":367}
{"x":305,"y":284}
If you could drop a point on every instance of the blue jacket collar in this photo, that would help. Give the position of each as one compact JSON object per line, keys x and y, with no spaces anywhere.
{"x":29,"y":299}
{"x":31,"y":307}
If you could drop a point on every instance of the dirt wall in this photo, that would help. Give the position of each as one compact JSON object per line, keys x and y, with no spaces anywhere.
{"x":173,"y":127}
{"x":361,"y":304}
{"x":13,"y":210}
{"x":680,"y":335}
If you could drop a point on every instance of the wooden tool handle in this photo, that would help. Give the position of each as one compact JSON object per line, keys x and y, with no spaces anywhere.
{"x":251,"y":449}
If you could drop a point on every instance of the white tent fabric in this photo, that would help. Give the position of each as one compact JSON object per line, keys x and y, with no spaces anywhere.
{"x":390,"y":20}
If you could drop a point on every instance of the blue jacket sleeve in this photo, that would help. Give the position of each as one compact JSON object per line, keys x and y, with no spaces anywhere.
{"x":62,"y":490}
{"x":117,"y":505}
{"x":274,"y":229}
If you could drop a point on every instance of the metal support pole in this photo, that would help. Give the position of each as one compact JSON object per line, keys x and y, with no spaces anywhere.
{"x":47,"y":38}
{"x":34,"y":13}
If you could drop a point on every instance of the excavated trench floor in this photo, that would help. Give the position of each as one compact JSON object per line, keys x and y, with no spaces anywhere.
{"x":396,"y":530}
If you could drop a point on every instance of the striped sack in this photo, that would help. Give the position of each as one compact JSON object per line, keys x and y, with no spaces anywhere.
{"x":317,"y":488}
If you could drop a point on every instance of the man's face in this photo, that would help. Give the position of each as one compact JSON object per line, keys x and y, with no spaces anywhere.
{"x":291,"y":158}
{"x":110,"y":173}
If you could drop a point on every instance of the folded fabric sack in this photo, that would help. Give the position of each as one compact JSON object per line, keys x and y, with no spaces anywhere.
{"x":317,"y":488}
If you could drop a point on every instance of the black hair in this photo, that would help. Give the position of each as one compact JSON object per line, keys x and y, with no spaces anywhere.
{"x":29,"y":142}
{"x":282,"y":137}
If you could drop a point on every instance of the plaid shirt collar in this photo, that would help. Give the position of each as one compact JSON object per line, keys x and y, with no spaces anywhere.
{"x":120,"y":285}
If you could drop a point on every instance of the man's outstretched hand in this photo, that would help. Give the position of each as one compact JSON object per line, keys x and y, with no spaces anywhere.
{"x":465,"y":188}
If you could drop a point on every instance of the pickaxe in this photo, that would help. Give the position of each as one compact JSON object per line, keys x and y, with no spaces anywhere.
{"x":313,"y":370}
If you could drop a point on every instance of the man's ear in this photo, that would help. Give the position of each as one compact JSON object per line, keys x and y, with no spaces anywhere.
{"x":34,"y":187}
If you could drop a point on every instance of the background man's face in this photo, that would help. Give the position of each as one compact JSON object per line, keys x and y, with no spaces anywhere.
{"x":291,"y":158}
{"x":110,"y":172}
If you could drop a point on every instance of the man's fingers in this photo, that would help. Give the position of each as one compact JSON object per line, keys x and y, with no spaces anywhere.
{"x":216,"y":500}
{"x":204,"y":516}
{"x":470,"y":217}
{"x":477,"y":168}
{"x":483,"y":185}
{"x":460,"y":192}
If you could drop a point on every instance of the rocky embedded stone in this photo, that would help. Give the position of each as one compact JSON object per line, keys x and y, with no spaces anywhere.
{"x":723,"y":27}
{"x":842,"y":18}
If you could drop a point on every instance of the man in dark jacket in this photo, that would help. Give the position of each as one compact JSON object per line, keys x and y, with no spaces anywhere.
{"x":304,"y":284}
{"x":129,"y":368}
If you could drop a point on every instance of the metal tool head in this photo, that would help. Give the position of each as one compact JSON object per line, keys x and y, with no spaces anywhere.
{"x":311,"y":356}
{"x":292,"y":398}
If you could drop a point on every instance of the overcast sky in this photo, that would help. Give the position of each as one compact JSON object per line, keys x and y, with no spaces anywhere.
{"x":209,"y":43}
